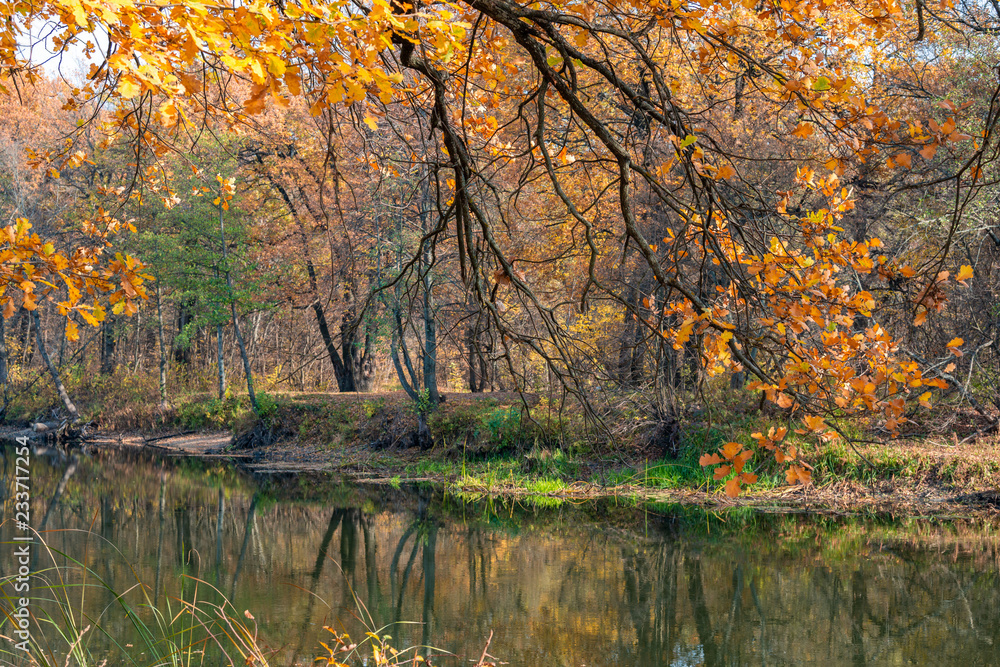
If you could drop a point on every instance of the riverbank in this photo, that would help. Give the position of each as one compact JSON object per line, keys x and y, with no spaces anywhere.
{"x":503,"y":444}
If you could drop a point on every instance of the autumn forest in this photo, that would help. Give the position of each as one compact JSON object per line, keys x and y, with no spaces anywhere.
{"x":634,"y":219}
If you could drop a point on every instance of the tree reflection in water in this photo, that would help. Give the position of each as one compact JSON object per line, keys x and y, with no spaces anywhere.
{"x":566,"y":585}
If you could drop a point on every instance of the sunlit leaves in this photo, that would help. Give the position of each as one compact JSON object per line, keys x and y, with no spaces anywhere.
{"x":732,"y":461}
{"x":36,"y":270}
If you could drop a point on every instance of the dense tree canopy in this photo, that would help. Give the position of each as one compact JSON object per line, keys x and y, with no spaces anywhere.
{"x":617,"y":196}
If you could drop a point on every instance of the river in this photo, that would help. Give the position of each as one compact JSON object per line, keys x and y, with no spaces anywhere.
{"x":132,"y":541}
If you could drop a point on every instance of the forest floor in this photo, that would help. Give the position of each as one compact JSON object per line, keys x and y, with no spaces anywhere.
{"x":486,"y":445}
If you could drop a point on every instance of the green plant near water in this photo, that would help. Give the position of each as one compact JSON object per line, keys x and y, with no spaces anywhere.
{"x":200,"y":627}
{"x":215,"y":412}
{"x":178,"y":632}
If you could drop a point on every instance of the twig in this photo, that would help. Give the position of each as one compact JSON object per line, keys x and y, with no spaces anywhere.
{"x":482,"y":658}
{"x":850,"y":441}
{"x":984,"y":429}
{"x":951,"y":378}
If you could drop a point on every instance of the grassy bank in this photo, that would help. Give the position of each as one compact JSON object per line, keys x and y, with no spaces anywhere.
{"x":499,"y":444}
{"x":503,"y":443}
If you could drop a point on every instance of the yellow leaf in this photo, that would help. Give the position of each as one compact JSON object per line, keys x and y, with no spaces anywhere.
{"x":964,"y":273}
{"x":814,"y":423}
{"x":954,"y":345}
{"x":72,"y":333}
{"x":128,"y":88}
{"x":804,"y":130}
{"x":371,"y":123}
{"x":925,"y":399}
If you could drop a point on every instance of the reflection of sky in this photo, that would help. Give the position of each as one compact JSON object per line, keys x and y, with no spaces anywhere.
{"x":692,"y":656}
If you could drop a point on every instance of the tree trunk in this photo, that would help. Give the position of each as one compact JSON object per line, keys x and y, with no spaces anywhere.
{"x":341,"y":370}
{"x":3,"y":352}
{"x":470,"y":342}
{"x":236,"y":324}
{"x":163,"y":349}
{"x":220,"y":363}
{"x":430,"y":343}
{"x":182,"y":355}
{"x":60,"y":388}
{"x":3,"y":363}
{"x":430,"y":330}
{"x":108,"y":347}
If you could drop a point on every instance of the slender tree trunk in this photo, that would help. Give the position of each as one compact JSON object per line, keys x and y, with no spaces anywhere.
{"x":470,"y":342}
{"x":163,"y":349}
{"x":60,"y":388}
{"x":220,"y":363}
{"x":430,"y":342}
{"x":3,"y":361}
{"x":27,"y":349}
{"x":341,"y":367}
{"x":430,"y":328}
{"x":236,"y":324}
{"x":108,"y":346}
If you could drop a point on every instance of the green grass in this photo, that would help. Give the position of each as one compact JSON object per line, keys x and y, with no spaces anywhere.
{"x":200,"y":627}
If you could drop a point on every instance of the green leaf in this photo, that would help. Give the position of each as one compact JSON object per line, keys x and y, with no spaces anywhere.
{"x":688,"y":140}
{"x":822,"y":83}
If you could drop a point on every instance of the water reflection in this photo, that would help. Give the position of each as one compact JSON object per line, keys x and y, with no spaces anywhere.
{"x":594,"y":585}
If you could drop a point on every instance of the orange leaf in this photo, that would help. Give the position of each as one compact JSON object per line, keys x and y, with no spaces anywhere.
{"x":949,"y":368}
{"x":785,"y":401}
{"x":928,"y":151}
{"x":709,"y":459}
{"x":921,"y":316}
{"x":954,"y":345}
{"x":731,"y":449}
{"x":722,"y":471}
{"x":904,"y":160}
{"x":964,"y":273}
{"x":815,"y":423}
{"x":925,"y":399}
{"x":733,"y":487}
{"x":804,"y":130}
{"x":726,"y":172}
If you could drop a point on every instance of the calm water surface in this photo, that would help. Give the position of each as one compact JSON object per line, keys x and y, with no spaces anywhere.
{"x":598,"y":584}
